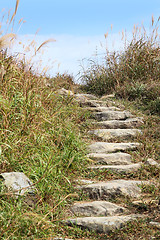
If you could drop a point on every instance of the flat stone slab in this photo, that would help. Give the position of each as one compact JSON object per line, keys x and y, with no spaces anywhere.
{"x":119,"y":168}
{"x":85,"y":181}
{"x":155,"y":224}
{"x":103,"y":109}
{"x":94,"y":103}
{"x":17,"y":182}
{"x":151,"y":162}
{"x":114,"y":124}
{"x":103,"y":224}
{"x":97,"y":208}
{"x":104,"y":147}
{"x":88,"y":103}
{"x":85,"y":96}
{"x":64,"y":92}
{"x":111,"y":115}
{"x":112,"y":189}
{"x":107,"y":96}
{"x":111,"y":134}
{"x":111,"y":158}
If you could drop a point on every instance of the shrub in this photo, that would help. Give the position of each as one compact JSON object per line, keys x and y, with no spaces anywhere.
{"x":133,"y":74}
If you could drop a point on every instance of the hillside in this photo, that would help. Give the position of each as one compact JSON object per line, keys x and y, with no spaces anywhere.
{"x":44,"y":134}
{"x":81,"y":161}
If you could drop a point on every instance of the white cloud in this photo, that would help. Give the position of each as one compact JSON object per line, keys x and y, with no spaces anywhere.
{"x":65,"y":54}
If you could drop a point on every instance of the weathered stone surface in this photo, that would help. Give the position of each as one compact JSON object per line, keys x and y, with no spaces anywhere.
{"x":85,"y":181}
{"x":112,"y":189}
{"x":103,"y":109}
{"x":111,"y":158}
{"x":111,"y":134}
{"x":88,"y":103}
{"x":64,"y":92}
{"x":84,"y":96}
{"x":128,"y":123}
{"x":107,"y":96}
{"x":103,"y":147}
{"x":119,"y":168}
{"x":97,"y":208}
{"x":111,"y":115}
{"x":151,"y":162}
{"x":17,"y":182}
{"x":155,"y":224}
{"x":102,"y":224}
{"x":94,"y":103}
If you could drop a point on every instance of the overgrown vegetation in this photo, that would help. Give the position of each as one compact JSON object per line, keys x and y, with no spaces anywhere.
{"x":41,"y":134}
{"x":133,"y":74}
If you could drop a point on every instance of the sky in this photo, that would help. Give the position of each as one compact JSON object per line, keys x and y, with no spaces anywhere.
{"x":78,"y":26}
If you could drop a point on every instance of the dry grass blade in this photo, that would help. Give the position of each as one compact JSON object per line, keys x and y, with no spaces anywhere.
{"x":15,"y":11}
{"x":4,"y":40}
{"x":152,"y":20}
{"x":68,"y":196}
{"x":44,"y":43}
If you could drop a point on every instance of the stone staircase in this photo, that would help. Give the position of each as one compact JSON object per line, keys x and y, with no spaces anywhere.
{"x":114,"y":130}
{"x":110,"y":123}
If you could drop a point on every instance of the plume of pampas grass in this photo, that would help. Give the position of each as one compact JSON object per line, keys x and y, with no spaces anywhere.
{"x":15,"y":11}
{"x":6,"y":39}
{"x":44,"y":43}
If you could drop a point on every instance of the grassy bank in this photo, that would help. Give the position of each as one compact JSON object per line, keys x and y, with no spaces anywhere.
{"x":40,"y":135}
{"x":133,"y":74}
{"x":43,"y":135}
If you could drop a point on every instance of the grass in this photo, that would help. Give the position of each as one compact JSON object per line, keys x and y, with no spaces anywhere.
{"x":43,"y":135}
{"x":133,"y":74}
{"x":40,"y":136}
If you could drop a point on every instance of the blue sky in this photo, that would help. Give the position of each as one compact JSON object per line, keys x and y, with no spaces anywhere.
{"x":79,"y":25}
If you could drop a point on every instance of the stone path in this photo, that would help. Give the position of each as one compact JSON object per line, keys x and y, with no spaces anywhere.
{"x":110,"y":123}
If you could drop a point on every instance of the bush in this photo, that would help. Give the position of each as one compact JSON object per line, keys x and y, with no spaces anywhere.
{"x":97,"y":80}
{"x":133,"y":74}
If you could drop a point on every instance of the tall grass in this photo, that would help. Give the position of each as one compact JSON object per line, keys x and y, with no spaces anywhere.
{"x":40,"y":135}
{"x":133,"y":73}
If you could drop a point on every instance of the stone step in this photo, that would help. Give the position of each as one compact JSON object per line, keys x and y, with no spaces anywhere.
{"x":64,"y":92}
{"x":104,"y":147}
{"x":113,"y":124}
{"x":18,"y":183}
{"x":97,"y":208}
{"x":112,"y":189}
{"x":151,"y":162}
{"x":89,"y":103}
{"x":94,"y":103}
{"x":111,"y":134}
{"x":107,"y":96}
{"x":85,"y":96}
{"x":119,"y":168}
{"x":103,"y":224}
{"x":111,"y":115}
{"x":111,"y":158}
{"x":103,"y":109}
{"x":155,"y":224}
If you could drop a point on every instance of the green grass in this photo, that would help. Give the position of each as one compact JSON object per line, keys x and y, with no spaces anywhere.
{"x":44,"y":135}
{"x":40,"y":135}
